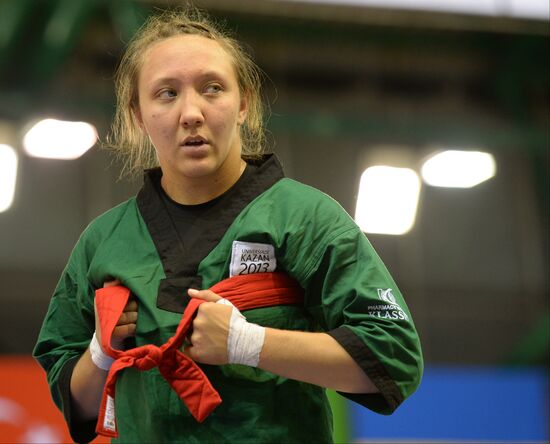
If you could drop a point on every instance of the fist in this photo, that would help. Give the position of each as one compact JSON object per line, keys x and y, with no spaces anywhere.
{"x":208,"y":342}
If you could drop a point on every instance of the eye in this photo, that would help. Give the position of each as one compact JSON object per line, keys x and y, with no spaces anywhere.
{"x":213,"y":88}
{"x":166,"y":94}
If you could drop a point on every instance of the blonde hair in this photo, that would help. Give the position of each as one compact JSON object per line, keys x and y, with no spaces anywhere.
{"x":127,"y":140}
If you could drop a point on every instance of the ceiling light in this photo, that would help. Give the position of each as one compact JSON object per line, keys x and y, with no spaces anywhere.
{"x":8,"y":176}
{"x":458,"y":169}
{"x":530,"y":9}
{"x":387,"y":200}
{"x":58,"y":139}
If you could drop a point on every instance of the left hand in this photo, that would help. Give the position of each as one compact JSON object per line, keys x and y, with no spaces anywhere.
{"x":210,"y":330}
{"x":126,"y":324}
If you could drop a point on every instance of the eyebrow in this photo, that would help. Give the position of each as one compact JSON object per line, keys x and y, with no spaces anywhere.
{"x":168,"y":79}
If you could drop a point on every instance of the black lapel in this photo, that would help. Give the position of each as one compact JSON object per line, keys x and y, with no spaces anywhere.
{"x":181,"y":264}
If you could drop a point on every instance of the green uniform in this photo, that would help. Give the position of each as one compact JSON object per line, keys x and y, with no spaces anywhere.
{"x":266,"y":222}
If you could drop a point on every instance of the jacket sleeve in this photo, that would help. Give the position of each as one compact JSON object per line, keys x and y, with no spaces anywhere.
{"x":351,"y":296}
{"x":65,"y":334}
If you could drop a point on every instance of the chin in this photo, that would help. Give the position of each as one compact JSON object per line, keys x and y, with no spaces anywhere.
{"x":196,"y":170}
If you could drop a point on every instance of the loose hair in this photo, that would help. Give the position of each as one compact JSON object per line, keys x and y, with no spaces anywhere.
{"x":127,"y":139}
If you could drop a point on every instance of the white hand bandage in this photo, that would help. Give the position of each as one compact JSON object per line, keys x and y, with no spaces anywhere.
{"x":245,"y":340}
{"x":99,"y":358}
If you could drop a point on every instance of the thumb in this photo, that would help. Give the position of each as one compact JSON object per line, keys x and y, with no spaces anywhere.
{"x":205,"y":295}
{"x":189,"y":351}
{"x":97,"y":324}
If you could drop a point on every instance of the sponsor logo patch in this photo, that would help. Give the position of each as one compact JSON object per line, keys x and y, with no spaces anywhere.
{"x":389,"y":309}
{"x":250,"y":257}
{"x":387,"y":296}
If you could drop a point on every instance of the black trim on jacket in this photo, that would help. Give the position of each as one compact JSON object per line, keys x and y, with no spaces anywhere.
{"x":180,"y":263}
{"x":390,"y":396}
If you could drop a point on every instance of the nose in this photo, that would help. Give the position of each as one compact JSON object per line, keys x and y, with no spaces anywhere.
{"x":191,"y":113}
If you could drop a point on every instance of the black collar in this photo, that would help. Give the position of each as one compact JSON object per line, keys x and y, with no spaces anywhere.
{"x":181,"y":264}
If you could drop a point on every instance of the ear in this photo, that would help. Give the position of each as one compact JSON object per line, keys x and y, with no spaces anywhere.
{"x":243,"y":108}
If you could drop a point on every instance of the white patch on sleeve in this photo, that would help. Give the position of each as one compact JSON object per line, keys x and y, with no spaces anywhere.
{"x":109,"y":420}
{"x":249,"y":258}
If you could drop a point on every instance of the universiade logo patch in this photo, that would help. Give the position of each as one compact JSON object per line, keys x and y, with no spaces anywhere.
{"x":250,"y":257}
{"x":390,"y":310}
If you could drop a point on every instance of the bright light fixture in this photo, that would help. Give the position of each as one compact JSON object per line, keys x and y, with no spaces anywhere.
{"x":8,"y":176}
{"x":530,"y":9}
{"x":387,"y":200}
{"x":458,"y":169}
{"x":58,"y":139}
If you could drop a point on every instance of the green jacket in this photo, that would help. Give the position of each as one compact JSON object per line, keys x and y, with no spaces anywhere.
{"x":348,"y":293}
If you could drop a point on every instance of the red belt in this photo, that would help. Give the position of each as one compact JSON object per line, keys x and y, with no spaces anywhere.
{"x":182,"y":373}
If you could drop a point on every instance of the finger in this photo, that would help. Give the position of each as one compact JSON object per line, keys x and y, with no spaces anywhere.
{"x":111,"y":283}
{"x":205,"y":295}
{"x":124,"y":331}
{"x":132,"y":305}
{"x":128,"y":317}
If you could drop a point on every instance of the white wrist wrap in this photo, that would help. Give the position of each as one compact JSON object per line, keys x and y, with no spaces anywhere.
{"x":245,"y":340}
{"x":99,"y":358}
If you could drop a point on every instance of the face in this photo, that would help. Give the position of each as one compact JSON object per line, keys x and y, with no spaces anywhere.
{"x":191,"y":109}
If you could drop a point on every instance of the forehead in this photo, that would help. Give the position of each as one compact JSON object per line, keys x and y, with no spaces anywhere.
{"x":185,"y":54}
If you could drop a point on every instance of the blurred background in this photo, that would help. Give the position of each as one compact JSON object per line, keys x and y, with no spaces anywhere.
{"x":351,"y":85}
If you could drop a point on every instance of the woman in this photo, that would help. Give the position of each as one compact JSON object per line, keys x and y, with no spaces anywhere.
{"x":216,"y":207}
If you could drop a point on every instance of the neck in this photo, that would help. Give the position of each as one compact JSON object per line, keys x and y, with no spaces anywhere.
{"x":195,"y":191}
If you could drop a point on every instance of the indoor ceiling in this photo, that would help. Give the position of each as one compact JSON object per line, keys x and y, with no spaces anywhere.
{"x":58,"y":56}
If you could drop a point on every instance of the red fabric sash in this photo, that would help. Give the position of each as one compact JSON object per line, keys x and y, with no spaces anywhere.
{"x":182,"y":373}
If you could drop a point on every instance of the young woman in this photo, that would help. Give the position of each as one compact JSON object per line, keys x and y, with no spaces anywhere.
{"x":214,"y":207}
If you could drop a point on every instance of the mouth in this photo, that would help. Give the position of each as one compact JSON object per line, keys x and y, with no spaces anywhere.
{"x":194,"y":141}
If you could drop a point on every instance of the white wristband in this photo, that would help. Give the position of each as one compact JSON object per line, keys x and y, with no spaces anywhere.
{"x":245,"y":339}
{"x":99,"y":358}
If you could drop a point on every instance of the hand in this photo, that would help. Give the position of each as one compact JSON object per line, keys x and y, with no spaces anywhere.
{"x":126,"y":325}
{"x":210,"y":330}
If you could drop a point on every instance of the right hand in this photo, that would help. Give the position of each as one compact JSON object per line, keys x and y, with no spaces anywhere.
{"x":126,"y":325}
